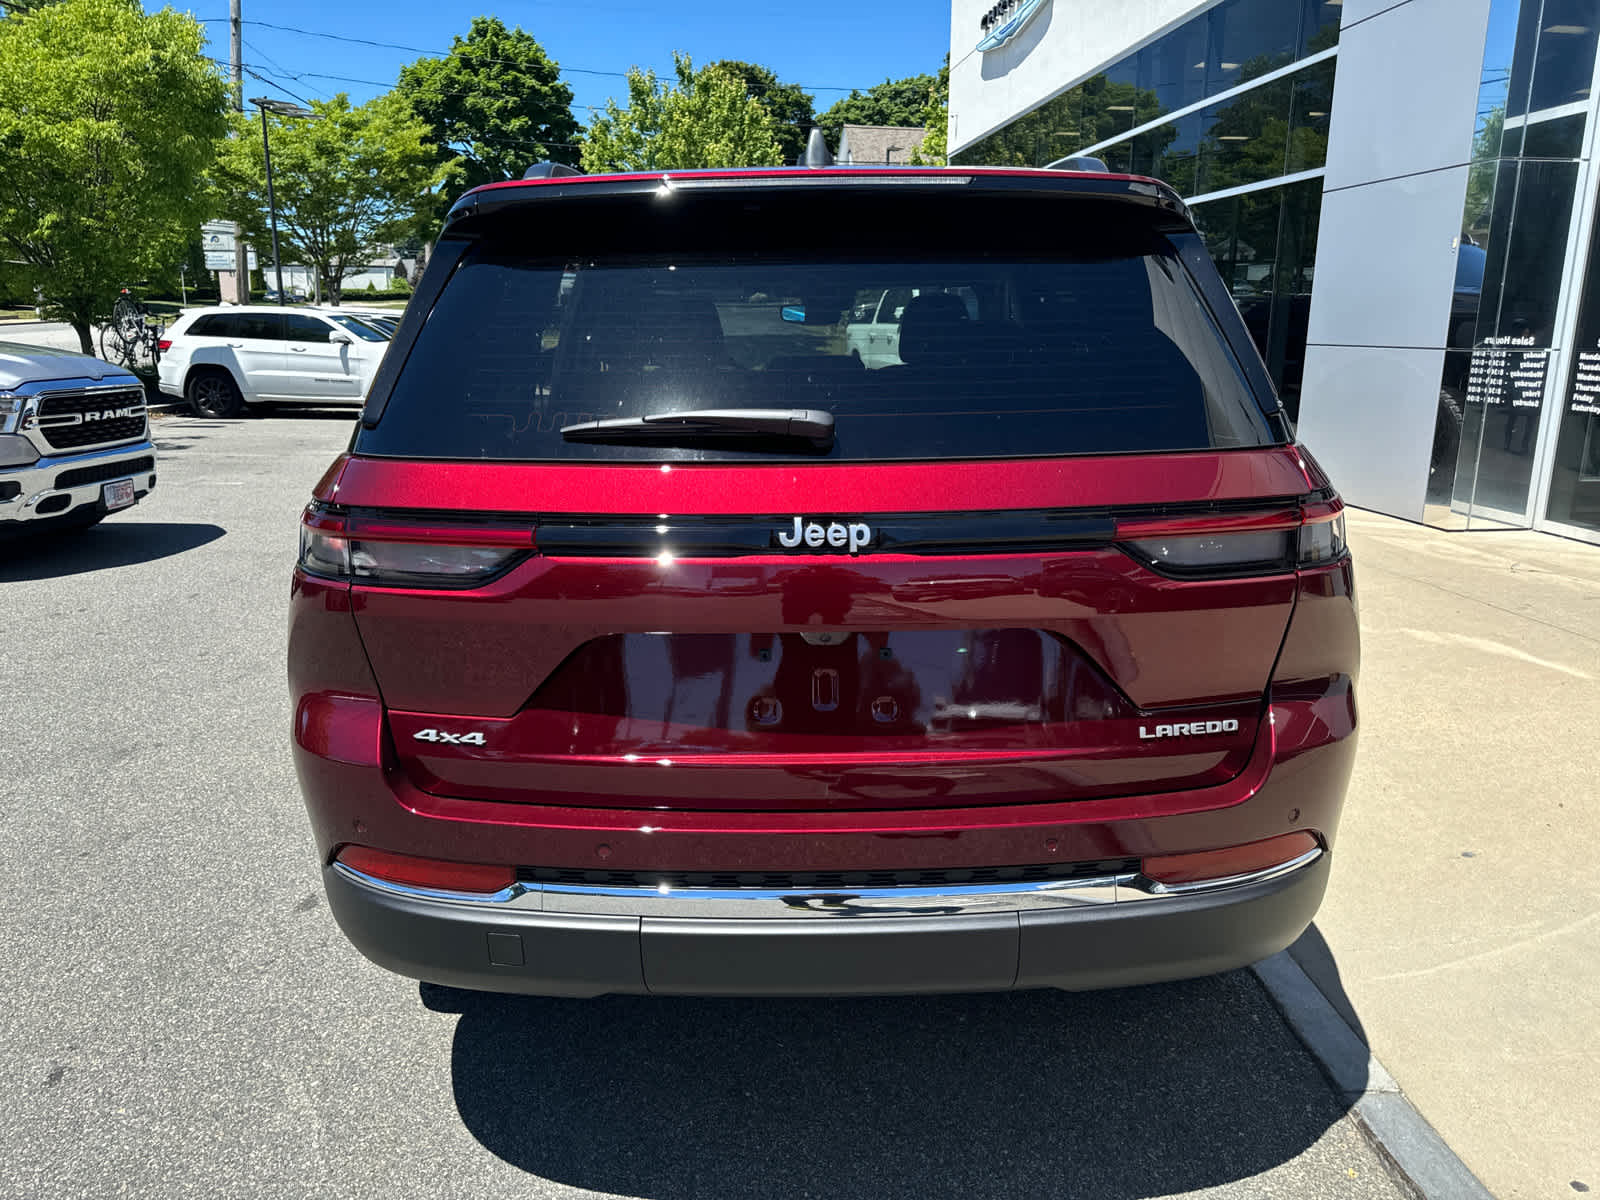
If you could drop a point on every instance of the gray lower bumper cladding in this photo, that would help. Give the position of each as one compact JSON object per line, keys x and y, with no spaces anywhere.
{"x":527,"y":940}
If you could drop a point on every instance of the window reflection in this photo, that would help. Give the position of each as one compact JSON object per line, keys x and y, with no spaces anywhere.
{"x":1230,"y":44}
{"x":1563,"y":57}
{"x":1538,"y":57}
{"x":1500,"y":338}
{"x":1575,"y":473}
{"x":1276,"y":129}
{"x":1558,"y":137}
{"x":1527,"y":247}
{"x":1265,"y":244}
{"x":1552,"y":58}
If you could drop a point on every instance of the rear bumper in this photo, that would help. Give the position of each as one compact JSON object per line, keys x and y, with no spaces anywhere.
{"x":1088,"y":934}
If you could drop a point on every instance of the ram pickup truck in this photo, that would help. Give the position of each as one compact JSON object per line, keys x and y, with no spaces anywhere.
{"x":74,"y":440}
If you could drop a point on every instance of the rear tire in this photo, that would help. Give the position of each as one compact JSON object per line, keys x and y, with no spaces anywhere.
{"x":214,"y":394}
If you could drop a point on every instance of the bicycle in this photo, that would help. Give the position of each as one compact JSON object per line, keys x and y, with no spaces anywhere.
{"x":129,"y":339}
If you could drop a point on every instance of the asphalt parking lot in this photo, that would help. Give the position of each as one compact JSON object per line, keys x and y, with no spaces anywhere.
{"x":183,"y":1018}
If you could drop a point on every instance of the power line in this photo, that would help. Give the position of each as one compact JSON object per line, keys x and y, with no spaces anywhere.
{"x":303,"y":75}
{"x":339,"y":37}
{"x":272,"y":84}
{"x":258,"y":72}
{"x":283,"y":72}
{"x":279,"y":68}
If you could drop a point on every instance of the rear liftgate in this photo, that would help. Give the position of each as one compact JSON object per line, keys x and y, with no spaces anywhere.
{"x":702,"y":664}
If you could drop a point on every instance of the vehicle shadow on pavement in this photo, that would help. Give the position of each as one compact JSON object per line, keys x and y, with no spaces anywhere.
{"x":1312,"y":955}
{"x":1133,"y":1093}
{"x":112,"y":544}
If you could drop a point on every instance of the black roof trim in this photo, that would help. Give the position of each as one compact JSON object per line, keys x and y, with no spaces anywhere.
{"x":1131,"y":189}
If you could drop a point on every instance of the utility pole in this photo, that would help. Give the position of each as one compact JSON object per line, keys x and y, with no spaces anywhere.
{"x":241,"y":253}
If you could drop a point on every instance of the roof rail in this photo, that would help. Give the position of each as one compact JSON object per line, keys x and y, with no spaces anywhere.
{"x":1079,"y":162}
{"x":550,"y":170}
{"x":817,"y":153}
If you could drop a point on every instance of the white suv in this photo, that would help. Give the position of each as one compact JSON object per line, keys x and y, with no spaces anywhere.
{"x":872,"y":331}
{"x":221,"y":359}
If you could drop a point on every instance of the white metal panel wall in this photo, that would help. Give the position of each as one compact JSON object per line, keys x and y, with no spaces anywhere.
{"x":1068,"y":41}
{"x":1404,"y":106}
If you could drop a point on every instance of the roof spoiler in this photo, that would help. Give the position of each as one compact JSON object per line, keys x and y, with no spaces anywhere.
{"x":817,"y":153}
{"x":550,"y":170}
{"x":1079,"y":162}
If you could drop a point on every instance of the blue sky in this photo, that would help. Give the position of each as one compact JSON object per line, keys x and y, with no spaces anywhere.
{"x":825,"y":44}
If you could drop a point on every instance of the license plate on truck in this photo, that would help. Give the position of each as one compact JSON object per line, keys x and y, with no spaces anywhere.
{"x":117,"y":494}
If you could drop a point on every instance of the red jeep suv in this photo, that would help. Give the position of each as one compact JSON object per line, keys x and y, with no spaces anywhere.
{"x":652,"y":638}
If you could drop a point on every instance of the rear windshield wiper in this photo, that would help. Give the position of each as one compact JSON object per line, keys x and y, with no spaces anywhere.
{"x":805,"y":424}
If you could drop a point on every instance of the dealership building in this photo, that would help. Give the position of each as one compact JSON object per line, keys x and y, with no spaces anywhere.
{"x":1400,"y":195}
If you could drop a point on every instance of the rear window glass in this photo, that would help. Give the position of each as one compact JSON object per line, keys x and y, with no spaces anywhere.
{"x":916,"y":359}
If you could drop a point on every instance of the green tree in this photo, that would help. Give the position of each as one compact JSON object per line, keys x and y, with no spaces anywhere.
{"x":495,"y":103}
{"x":892,"y":102}
{"x":345,"y":182}
{"x":108,"y":115}
{"x":707,"y":120}
{"x":935,"y":118}
{"x":1483,"y":172}
{"x":793,"y":109}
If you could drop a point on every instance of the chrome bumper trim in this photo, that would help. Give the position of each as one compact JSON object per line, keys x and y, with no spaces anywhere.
{"x":38,"y":479}
{"x":665,"y":901}
{"x":1149,"y":889}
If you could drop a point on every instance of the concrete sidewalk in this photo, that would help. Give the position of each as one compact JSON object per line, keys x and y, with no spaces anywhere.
{"x":1461,"y":933}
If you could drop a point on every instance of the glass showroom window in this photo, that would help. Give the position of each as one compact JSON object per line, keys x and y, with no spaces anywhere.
{"x":1502,"y":341}
{"x":1265,"y":244}
{"x":1222,"y":48}
{"x":1575,"y":472}
{"x":1279,"y":128}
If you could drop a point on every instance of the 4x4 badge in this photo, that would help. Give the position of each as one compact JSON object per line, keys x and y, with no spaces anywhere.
{"x":836,"y":536}
{"x":454,"y":739}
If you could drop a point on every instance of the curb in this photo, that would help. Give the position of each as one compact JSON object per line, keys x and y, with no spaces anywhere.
{"x":1411,"y":1146}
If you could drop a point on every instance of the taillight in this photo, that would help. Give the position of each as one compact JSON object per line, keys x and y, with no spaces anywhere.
{"x":399,"y":552}
{"x":1223,"y":546}
{"x":1229,"y":861}
{"x":164,"y":345}
{"x":437,"y":873}
{"x":1203,"y":554}
{"x":1322,"y":536}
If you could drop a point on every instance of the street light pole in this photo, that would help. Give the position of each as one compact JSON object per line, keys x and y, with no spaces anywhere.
{"x":272,"y":204}
{"x":283,"y":109}
{"x":241,"y":253}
